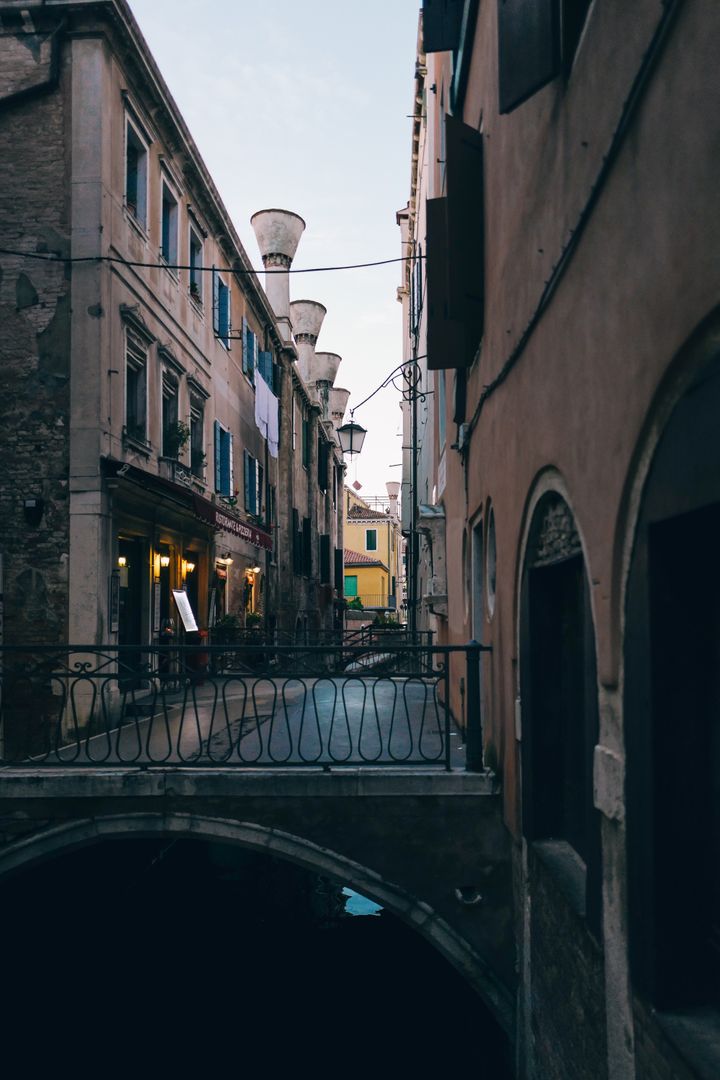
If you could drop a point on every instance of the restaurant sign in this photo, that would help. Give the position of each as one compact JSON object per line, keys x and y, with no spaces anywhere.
{"x":219,"y":519}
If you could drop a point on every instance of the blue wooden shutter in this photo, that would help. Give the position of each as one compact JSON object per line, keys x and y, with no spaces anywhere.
{"x":259,"y":496}
{"x":246,"y":464}
{"x":218,"y":456}
{"x":265,"y":366}
{"x":244,"y":345}
{"x":216,"y":300}
{"x":230,"y":474}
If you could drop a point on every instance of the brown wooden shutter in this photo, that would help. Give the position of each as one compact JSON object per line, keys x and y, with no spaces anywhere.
{"x":465,"y":224}
{"x":528,"y":48}
{"x":445,"y":341}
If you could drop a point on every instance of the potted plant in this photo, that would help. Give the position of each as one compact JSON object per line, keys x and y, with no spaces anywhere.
{"x":175,"y":438}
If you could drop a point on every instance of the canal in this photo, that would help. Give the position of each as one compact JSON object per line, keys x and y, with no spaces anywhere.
{"x":188,"y":955}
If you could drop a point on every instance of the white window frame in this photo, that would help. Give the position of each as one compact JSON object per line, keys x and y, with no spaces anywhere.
{"x":170,"y":257}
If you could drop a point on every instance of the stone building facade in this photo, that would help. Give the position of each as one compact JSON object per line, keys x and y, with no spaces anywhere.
{"x":149,"y":382}
{"x":561,"y":297}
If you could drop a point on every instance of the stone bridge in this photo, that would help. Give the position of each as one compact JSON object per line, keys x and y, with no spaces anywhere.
{"x":429,"y":846}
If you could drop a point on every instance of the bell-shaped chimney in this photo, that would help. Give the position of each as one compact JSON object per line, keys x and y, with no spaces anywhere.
{"x":306,"y":317}
{"x":278,"y":234}
{"x":337,"y":405}
{"x":393,"y":490}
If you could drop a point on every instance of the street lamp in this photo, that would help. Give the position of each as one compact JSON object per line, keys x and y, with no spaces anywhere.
{"x":352,"y":437}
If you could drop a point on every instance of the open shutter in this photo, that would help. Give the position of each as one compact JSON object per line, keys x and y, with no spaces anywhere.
{"x":244,"y":343}
{"x":445,"y":339}
{"x":465,"y":224}
{"x":246,"y":470}
{"x":230,"y":469}
{"x":259,"y":495}
{"x":252,"y":355}
{"x":218,"y":457}
{"x":528,"y":48}
{"x":216,"y":300}
{"x":265,"y":366}
{"x":442,"y":20}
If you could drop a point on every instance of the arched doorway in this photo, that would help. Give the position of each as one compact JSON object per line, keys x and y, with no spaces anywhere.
{"x":672,"y":708}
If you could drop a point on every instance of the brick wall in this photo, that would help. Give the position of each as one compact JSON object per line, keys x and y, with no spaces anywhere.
{"x":568,"y":993}
{"x":34,"y":347}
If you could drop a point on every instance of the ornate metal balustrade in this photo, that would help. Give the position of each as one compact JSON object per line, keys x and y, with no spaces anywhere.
{"x":383,"y":702}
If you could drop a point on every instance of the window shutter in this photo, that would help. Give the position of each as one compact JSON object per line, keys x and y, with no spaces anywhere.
{"x":265,"y":367}
{"x":218,"y":457}
{"x":442,"y":20}
{"x":228,"y":318}
{"x":252,"y":355}
{"x":528,"y":48}
{"x":244,"y":344}
{"x":259,"y":495}
{"x":216,"y":300}
{"x":325,"y":558}
{"x":246,"y":463}
{"x":465,"y":236}
{"x":445,"y":339}
{"x":230,"y":470}
{"x":339,"y":569}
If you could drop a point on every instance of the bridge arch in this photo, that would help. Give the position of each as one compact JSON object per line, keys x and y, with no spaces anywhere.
{"x":63,"y":839}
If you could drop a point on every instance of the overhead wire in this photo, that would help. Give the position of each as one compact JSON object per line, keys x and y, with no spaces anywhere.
{"x":53,"y":257}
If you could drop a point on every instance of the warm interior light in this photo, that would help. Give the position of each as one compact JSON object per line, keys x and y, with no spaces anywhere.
{"x":122,"y":561}
{"x":164,"y":560}
{"x":189,"y":567}
{"x":256,"y":569}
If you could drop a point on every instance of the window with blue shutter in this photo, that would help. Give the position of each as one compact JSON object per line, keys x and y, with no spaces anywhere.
{"x":221,"y":309}
{"x":223,"y":460}
{"x":265,"y":367}
{"x":253,"y":484}
{"x":249,"y":351}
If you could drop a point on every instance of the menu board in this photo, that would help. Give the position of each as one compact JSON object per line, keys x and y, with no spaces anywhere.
{"x":183,"y":606}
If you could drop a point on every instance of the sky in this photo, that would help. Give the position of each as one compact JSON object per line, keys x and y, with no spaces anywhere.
{"x":306,"y":106}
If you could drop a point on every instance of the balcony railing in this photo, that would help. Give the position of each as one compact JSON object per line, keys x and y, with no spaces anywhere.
{"x":382,"y":702}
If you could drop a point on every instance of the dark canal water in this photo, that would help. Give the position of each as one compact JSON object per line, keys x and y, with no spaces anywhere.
{"x":160,"y":957}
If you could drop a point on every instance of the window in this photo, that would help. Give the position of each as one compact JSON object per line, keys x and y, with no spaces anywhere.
{"x":135,"y":386}
{"x":416,"y":292}
{"x":249,"y":351}
{"x":196,"y":262}
{"x":305,"y":441}
{"x":351,"y":585}
{"x":221,"y":309}
{"x":294,"y":423}
{"x":322,"y":465}
{"x":197,"y":436}
{"x":136,"y":159}
{"x":223,"y":461}
{"x":297,"y":543}
{"x":307,"y":547}
{"x":324,"y":558}
{"x":534,"y":45}
{"x":266,"y":367}
{"x":169,"y":227}
{"x":371,"y":539}
{"x":171,"y":434}
{"x":253,"y":484}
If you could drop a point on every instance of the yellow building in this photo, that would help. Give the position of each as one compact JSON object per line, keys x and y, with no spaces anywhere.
{"x":373,"y":543}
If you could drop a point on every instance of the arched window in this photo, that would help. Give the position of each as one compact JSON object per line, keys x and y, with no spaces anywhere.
{"x":559,"y":702}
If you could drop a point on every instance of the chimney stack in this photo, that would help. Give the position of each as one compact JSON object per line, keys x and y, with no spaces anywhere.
{"x":278,"y":234}
{"x":393,"y":490}
{"x":306,"y":317}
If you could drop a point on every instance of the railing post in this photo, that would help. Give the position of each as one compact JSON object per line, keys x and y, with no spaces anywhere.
{"x":473,"y":733}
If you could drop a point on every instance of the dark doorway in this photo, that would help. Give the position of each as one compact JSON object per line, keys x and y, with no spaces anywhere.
{"x":684,"y":577}
{"x":132,"y":566}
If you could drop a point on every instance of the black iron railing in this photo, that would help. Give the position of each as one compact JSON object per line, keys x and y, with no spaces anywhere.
{"x":380,"y":703}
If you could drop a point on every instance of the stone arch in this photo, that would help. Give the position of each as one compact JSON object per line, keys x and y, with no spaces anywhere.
{"x":668,"y":593}
{"x":557,"y":681}
{"x":415,"y":913}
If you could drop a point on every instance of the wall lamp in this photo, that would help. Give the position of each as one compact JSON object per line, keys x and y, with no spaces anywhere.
{"x":122,"y":560}
{"x":256,"y":569}
{"x":165,"y":560}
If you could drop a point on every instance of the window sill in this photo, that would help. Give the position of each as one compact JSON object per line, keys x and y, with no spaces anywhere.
{"x":695,"y":1034}
{"x":197,"y":305}
{"x":567,"y":869}
{"x":136,"y":225}
{"x":140,"y":446}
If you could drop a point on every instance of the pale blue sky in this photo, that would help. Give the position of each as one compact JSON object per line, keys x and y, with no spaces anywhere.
{"x":305,"y":105}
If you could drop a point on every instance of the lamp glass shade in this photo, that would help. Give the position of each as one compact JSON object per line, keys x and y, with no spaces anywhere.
{"x":352,"y":437}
